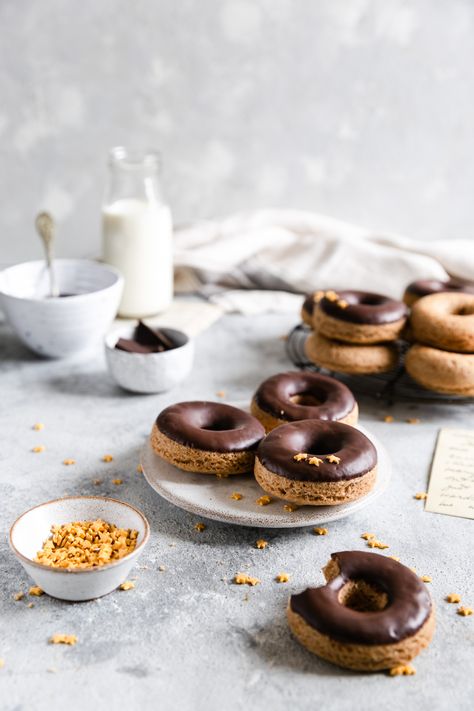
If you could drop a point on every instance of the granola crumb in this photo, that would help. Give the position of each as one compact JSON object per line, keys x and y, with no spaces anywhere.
{"x":220,"y":393}
{"x":244,"y":579}
{"x":315,"y":461}
{"x":426,"y":578}
{"x":38,"y":426}
{"x":301,"y":456}
{"x":139,"y":469}
{"x":373,"y":543}
{"x":236,"y":496}
{"x":421,"y":496}
{"x":107,"y":458}
{"x":19,"y":596}
{"x":39,"y":448}
{"x":263,"y":501}
{"x":331,"y":295}
{"x":413,"y":420}
{"x":127,"y":585}
{"x":453,"y":597}
{"x":290,"y":507}
{"x":35,"y":591}
{"x":368,"y":536}
{"x":261,"y":543}
{"x":68,"y":462}
{"x":332,"y":459}
{"x":69,"y":639}
{"x":282,"y":577}
{"x":342,"y":303}
{"x":162,"y":568}
{"x":464,"y":611}
{"x":117,"y":482}
{"x":402,"y":670}
{"x":389,"y":418}
{"x":320,"y":531}
{"x":200,"y":527}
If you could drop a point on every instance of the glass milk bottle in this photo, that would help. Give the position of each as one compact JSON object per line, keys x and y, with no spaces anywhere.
{"x":137,"y":232}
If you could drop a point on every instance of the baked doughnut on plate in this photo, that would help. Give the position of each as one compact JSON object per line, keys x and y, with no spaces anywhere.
{"x":373,"y":613}
{"x":351,"y":358}
{"x":445,"y":321}
{"x":424,"y":287}
{"x":441,"y":371}
{"x":207,"y":437}
{"x":359,"y":317}
{"x":295,"y":395}
{"x":316,"y":463}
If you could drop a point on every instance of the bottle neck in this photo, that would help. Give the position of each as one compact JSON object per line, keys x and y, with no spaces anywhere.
{"x":133,"y":176}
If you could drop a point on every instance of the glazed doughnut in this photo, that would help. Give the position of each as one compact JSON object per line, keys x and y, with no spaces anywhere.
{"x":445,"y":321}
{"x":359,"y":317}
{"x":373,"y":613}
{"x":316,"y":463}
{"x":441,"y":371}
{"x":296,"y":395}
{"x":424,"y":287}
{"x":207,"y":437}
{"x":307,"y":309}
{"x":349,"y":358}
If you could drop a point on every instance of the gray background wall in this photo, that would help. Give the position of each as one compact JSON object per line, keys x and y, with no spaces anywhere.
{"x":363,"y":109}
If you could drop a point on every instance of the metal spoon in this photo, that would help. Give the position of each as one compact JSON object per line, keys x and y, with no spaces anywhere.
{"x":46,"y":228}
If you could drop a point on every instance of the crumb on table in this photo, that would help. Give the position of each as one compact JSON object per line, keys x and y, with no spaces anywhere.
{"x":245,"y":579}
{"x":68,"y":462}
{"x":465,"y":611}
{"x":263,"y":501}
{"x":19,"y":596}
{"x":421,"y":496}
{"x":107,"y":458}
{"x":236,"y":496}
{"x":453,"y":597}
{"x":127,"y":585}
{"x":261,"y":543}
{"x":282,"y":577}
{"x":402,"y":670}
{"x":368,"y":536}
{"x":290,"y":507}
{"x":389,"y":418}
{"x":200,"y":527}
{"x":38,"y":426}
{"x":413,"y":420}
{"x":373,"y":543}
{"x":426,"y":578}
{"x":39,"y":448}
{"x":117,"y":482}
{"x":319,"y":531}
{"x":35,"y":591}
{"x":69,"y":639}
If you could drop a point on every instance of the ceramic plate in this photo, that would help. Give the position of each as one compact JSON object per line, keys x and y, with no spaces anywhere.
{"x":207,"y":496}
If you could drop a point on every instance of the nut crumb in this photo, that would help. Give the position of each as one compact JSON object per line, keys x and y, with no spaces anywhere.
{"x":200,"y":527}
{"x":342,"y":303}
{"x":413,"y":420}
{"x":38,"y":426}
{"x":402,"y":670}
{"x":263,"y":501}
{"x":139,"y":469}
{"x":107,"y":458}
{"x":35,"y":591}
{"x":464,"y":611}
{"x":220,"y":393}
{"x":127,"y":585}
{"x":332,"y":459}
{"x":373,"y":543}
{"x":421,"y":495}
{"x":68,"y":462}
{"x":331,"y":295}
{"x":162,"y":568}
{"x":261,"y":543}
{"x":117,"y":482}
{"x":320,"y":531}
{"x":290,"y":507}
{"x":389,"y":418}
{"x":368,"y":536}
{"x":236,"y":496}
{"x":301,"y":456}
{"x":69,"y":639}
{"x":244,"y":579}
{"x":426,"y":578}
{"x":19,"y":596}
{"x":282,"y":577}
{"x":39,"y":448}
{"x":453,"y":597}
{"x":315,"y":461}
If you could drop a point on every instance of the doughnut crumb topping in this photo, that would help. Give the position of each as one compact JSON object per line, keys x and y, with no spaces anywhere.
{"x":300,"y":457}
{"x":315,"y":461}
{"x":332,"y":459}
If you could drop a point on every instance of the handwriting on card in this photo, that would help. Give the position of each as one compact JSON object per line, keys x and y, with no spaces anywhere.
{"x":451,"y":488}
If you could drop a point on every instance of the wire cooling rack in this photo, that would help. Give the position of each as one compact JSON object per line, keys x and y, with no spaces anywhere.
{"x":394,"y":386}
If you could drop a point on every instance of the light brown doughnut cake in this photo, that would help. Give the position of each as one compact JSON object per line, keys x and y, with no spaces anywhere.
{"x":373,"y":613}
{"x":207,"y":437}
{"x":296,"y":395}
{"x":441,"y":371}
{"x":445,"y":321}
{"x":355,"y":359}
{"x":359,"y":317}
{"x":316,"y":463}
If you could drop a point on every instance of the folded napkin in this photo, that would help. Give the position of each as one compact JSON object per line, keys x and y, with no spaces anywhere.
{"x":231,"y":261}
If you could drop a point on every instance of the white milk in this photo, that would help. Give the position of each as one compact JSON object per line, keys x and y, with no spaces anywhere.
{"x":137,"y":240}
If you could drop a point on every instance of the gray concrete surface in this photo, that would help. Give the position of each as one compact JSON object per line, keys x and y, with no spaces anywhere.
{"x":186,"y":638}
{"x":359,"y":109}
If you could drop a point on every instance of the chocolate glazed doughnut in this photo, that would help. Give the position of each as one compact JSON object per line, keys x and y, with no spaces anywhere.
{"x":359,"y":317}
{"x":292,"y":396}
{"x":207,"y":437}
{"x":424,"y":287}
{"x":373,"y":613}
{"x":316,"y":463}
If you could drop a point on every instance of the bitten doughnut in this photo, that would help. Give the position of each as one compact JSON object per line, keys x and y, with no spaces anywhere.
{"x":445,"y":321}
{"x":359,"y":317}
{"x":316,"y":463}
{"x":373,"y":613}
{"x":287,"y":397}
{"x":207,"y":437}
{"x":441,"y":371}
{"x":424,"y":287}
{"x":349,"y":358}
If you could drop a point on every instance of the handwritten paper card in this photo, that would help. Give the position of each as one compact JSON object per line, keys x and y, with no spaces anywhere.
{"x":451,"y":488}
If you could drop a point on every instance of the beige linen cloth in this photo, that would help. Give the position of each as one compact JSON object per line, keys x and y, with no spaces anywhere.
{"x":258,"y":261}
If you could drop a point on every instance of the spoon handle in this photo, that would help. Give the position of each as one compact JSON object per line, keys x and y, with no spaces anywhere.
{"x":45,"y":227}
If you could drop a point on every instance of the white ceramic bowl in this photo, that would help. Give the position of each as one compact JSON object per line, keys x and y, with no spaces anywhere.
{"x":32,"y":528}
{"x":149,"y":372}
{"x":60,"y":327}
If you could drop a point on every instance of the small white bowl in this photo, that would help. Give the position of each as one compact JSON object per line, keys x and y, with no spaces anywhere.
{"x":60,"y":327}
{"x":149,"y":372}
{"x":32,"y":528}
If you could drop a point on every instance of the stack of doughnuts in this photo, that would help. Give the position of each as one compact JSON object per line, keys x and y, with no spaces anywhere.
{"x":355,"y":331}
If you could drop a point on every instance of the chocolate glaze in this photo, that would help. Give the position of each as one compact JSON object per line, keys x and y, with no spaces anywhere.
{"x":409,"y":602}
{"x":212,"y":426}
{"x":146,"y":340}
{"x":274,"y":396}
{"x":356,"y":452}
{"x":424,"y":287}
{"x":364,"y":307}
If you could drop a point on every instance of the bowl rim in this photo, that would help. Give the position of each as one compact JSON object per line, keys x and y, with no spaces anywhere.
{"x":76,"y":571}
{"x":119,"y":279}
{"x":117,"y":331}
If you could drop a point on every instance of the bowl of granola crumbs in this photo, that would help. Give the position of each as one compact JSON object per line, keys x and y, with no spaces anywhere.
{"x":79,"y":547}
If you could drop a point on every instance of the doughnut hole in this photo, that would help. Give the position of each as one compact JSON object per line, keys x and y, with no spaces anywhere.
{"x":220,"y":425}
{"x":306,"y":399}
{"x":362,"y":596}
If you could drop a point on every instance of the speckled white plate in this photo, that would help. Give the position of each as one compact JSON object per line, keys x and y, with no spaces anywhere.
{"x":207,"y":496}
